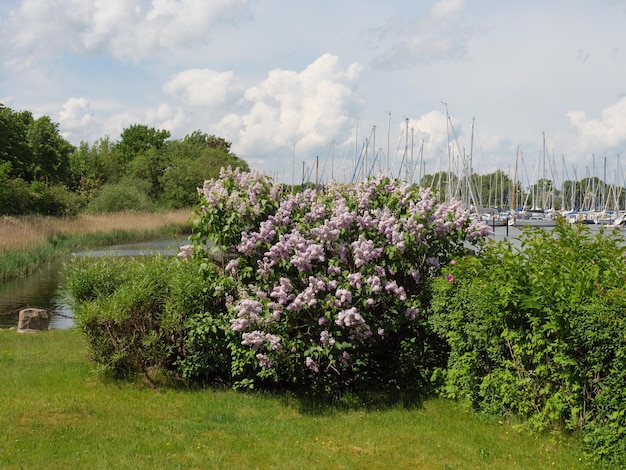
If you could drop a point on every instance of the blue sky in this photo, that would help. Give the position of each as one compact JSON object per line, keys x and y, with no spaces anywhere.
{"x":288,"y":81}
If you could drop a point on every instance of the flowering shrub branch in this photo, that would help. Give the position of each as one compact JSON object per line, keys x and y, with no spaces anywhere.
{"x":332,"y":284}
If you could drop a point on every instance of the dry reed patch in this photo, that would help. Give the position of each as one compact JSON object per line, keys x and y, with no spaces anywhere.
{"x":28,"y":231}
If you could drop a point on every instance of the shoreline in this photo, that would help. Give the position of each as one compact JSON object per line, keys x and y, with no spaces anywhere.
{"x":28,"y":242}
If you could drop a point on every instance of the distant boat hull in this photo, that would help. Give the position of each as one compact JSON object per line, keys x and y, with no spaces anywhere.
{"x":532,"y":222}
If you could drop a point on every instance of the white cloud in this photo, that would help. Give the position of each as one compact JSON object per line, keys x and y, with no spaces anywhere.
{"x":76,"y":117}
{"x":432,"y":128}
{"x":166,"y":117}
{"x":202,"y":87}
{"x":129,"y":29}
{"x":607,"y":131}
{"x":437,"y":36}
{"x":297,"y":108}
{"x":445,"y":8}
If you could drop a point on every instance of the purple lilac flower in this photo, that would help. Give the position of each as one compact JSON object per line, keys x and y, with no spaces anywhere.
{"x":282,"y":291}
{"x":344,"y":358}
{"x":365,"y":221}
{"x":363,"y":251}
{"x":256,"y":339}
{"x":311,"y":364}
{"x":333,"y":269}
{"x":232,"y":265}
{"x":411,"y":313}
{"x":239,"y":324}
{"x":185,"y":251}
{"x":350,"y":317}
{"x":355,"y":279}
{"x":326,"y":338}
{"x":343,"y":297}
{"x":373,"y":282}
{"x":264,"y":361}
{"x":393,"y":288}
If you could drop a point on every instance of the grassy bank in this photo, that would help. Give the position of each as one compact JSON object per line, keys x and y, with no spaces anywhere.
{"x":27,"y":242}
{"x":55,"y":415}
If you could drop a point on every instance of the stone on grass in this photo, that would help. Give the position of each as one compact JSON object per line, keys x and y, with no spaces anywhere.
{"x":32,"y":320}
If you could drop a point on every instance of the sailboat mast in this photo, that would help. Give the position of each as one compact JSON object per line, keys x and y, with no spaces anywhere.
{"x":513,"y":195}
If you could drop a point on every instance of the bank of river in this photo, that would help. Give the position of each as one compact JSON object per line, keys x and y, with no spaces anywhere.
{"x":42,"y":287}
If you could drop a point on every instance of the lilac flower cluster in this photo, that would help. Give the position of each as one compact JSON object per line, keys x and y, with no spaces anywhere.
{"x":331,"y":272}
{"x":256,"y":339}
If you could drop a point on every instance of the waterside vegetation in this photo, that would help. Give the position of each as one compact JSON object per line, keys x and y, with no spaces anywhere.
{"x":28,"y":241}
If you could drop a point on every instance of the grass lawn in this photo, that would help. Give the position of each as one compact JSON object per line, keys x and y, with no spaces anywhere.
{"x":56,"y":415}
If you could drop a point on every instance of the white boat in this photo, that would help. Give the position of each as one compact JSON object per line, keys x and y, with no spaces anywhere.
{"x":495,"y":220}
{"x":531,"y":218}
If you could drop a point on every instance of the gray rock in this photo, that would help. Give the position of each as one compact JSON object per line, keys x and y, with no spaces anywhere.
{"x":33,"y":319}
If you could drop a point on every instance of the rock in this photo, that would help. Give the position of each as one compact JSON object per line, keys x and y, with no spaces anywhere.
{"x":33,"y":319}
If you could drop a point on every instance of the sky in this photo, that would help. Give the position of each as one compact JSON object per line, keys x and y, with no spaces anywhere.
{"x":323,"y":87}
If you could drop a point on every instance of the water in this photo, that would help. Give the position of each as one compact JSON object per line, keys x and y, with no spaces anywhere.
{"x":42,"y":289}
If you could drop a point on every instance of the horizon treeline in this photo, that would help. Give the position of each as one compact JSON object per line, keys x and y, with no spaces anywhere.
{"x":144,"y":170}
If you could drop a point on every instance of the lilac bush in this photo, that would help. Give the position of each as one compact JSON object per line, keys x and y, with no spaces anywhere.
{"x":332,"y":285}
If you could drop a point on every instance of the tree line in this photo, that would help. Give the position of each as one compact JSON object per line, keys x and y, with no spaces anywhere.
{"x":42,"y":173}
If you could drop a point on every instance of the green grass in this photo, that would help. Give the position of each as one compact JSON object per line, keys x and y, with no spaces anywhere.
{"x":57,"y":415}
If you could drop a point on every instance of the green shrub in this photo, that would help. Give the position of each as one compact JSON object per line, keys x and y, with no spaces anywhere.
{"x":540,"y":332}
{"x":150,"y":316}
{"x":120,"y":306}
{"x":55,"y":200}
{"x":120,"y":197}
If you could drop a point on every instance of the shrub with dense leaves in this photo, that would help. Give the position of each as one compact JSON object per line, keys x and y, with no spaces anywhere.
{"x":133,"y":311}
{"x":328,"y":289}
{"x":539,"y":332}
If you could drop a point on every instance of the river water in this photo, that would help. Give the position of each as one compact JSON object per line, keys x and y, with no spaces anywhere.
{"x":42,"y":288}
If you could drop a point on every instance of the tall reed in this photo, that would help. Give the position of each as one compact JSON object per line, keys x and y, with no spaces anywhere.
{"x":28,"y":241}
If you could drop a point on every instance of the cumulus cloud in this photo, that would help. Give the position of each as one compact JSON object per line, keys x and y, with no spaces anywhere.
{"x":437,"y":36}
{"x":128,"y":29}
{"x":296,"y":108}
{"x":166,"y":117}
{"x":432,"y":128}
{"x":202,"y":87}
{"x":607,"y":131}
{"x":76,"y":117}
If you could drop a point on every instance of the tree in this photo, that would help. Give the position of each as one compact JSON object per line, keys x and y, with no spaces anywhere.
{"x":13,"y":143}
{"x":193,"y":160}
{"x":137,"y":139}
{"x":50,"y":151}
{"x":201,"y":139}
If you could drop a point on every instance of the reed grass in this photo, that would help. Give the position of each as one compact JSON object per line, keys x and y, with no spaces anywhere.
{"x":55,"y":415}
{"x":27,"y":242}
